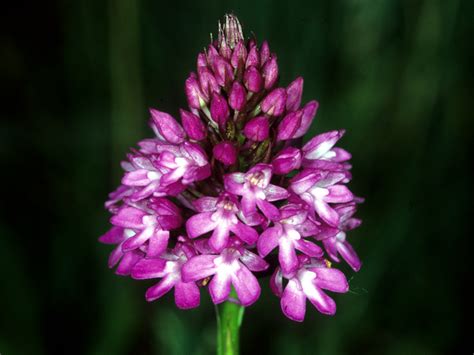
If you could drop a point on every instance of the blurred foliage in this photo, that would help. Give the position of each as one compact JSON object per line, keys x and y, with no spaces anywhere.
{"x":77,"y":80}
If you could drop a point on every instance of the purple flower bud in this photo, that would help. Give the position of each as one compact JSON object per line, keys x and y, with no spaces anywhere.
{"x":270,"y":73}
{"x":274,"y":103}
{"x":237,"y":96}
{"x":208,"y":82}
{"x":193,"y":125}
{"x":196,"y":98}
{"x":201,"y":62}
{"x":286,"y":161}
{"x":257,"y":129}
{"x":219,"y":109}
{"x":225,"y":152}
{"x":309,"y":111}
{"x":239,"y":55}
{"x":253,"y":59}
{"x":230,"y":31}
{"x":223,"y":71}
{"x":212,"y":54}
{"x":253,"y":80}
{"x":264,"y":52}
{"x":294,"y":92}
{"x":289,"y":125}
{"x":167,"y":126}
{"x":224,"y":50}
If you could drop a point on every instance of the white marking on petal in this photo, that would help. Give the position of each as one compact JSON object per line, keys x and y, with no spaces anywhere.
{"x":149,"y":220}
{"x":153,"y":175}
{"x":319,"y":193}
{"x":128,"y":233}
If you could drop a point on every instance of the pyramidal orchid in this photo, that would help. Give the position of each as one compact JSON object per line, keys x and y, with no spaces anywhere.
{"x":227,"y":195}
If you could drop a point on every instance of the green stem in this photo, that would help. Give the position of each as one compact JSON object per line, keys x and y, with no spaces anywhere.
{"x":229,"y":318}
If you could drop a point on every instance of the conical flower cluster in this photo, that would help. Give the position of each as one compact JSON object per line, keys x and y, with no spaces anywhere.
{"x":228,"y":194}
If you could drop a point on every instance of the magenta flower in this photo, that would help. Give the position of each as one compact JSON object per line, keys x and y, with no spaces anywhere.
{"x":288,"y":235}
{"x":150,"y":224}
{"x":256,"y":190}
{"x":336,"y":243}
{"x":220,"y":216}
{"x":320,"y":150}
{"x":308,"y":283}
{"x":228,"y":194}
{"x":232,"y":267}
{"x":125,"y":260}
{"x":186,"y":163}
{"x":319,"y":189}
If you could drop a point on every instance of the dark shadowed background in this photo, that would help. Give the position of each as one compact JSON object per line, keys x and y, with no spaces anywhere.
{"x":77,"y":79}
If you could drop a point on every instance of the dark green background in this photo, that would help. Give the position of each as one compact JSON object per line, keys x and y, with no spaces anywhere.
{"x":77,"y":79}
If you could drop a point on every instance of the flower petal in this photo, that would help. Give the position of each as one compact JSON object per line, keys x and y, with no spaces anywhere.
{"x":253,"y":261}
{"x":140,"y":177}
{"x":138,"y":240}
{"x":161,"y":288}
{"x":338,"y":194}
{"x":330,"y":244}
{"x":234,"y":183}
{"x":270,"y":211}
{"x":186,"y":295}
{"x":293,"y":301}
{"x":320,"y":300}
{"x":113,"y":236}
{"x":268,"y":240}
{"x":128,"y":262}
{"x":308,"y":248}
{"x":128,"y":217}
{"x":276,"y":282}
{"x":287,"y":256}
{"x":246,"y":286}
{"x":198,"y":267}
{"x":152,"y":188}
{"x":219,"y":237}
{"x":205,"y":204}
{"x":244,"y":232}
{"x":349,"y":255}
{"x":275,"y":193}
{"x":115,"y":256}
{"x":149,"y":269}
{"x":157,"y":243}
{"x":328,"y":214}
{"x":220,"y":287}
{"x":321,"y":144}
{"x":200,"y":224}
{"x":248,"y":204}
{"x":331,"y":279}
